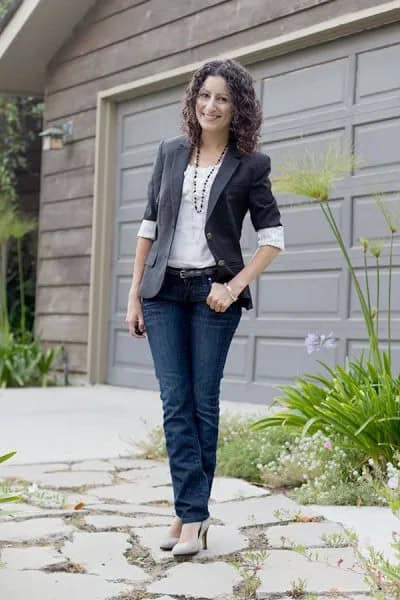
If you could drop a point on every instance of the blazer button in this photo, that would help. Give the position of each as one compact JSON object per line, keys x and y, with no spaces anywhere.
{"x":221,"y":263}
{"x":209,"y":235}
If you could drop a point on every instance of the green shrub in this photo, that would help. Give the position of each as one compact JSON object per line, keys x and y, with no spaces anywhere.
{"x":239,"y":453}
{"x":320,"y":471}
{"x":25,"y":363}
{"x":359,"y":403}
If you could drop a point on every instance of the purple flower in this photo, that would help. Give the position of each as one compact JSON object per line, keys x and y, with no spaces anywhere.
{"x":328,"y":445}
{"x":315,"y":342}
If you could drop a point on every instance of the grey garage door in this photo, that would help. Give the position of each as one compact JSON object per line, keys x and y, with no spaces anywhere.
{"x":345,"y":93}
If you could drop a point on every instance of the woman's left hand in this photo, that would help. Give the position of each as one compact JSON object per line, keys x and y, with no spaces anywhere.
{"x":219,"y":298}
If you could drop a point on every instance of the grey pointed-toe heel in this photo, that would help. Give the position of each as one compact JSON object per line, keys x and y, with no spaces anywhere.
{"x":193,"y":546}
{"x":168,"y":542}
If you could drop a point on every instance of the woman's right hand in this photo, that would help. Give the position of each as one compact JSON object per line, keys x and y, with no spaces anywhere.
{"x":134,"y":316}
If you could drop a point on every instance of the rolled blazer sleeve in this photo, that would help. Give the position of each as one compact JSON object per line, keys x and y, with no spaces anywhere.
{"x":153,"y":188}
{"x":147,"y":230}
{"x":264,"y":211}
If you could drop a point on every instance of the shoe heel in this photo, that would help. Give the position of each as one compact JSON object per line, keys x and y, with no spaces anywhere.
{"x":204,"y":539}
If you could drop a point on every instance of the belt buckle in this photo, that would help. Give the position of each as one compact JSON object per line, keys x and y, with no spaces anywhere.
{"x":182,"y":274}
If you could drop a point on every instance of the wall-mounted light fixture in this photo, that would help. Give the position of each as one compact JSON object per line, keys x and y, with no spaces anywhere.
{"x":55,"y":137}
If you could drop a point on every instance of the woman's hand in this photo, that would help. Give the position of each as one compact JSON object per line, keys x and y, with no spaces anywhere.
{"x":219,"y":298}
{"x":134,"y":316}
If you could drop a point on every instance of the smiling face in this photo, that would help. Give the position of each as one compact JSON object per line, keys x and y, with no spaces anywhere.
{"x":214,"y":106}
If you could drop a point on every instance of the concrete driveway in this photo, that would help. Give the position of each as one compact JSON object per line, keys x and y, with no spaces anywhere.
{"x":82,"y":422}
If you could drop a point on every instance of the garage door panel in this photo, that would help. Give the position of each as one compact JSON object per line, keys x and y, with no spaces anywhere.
{"x":279,"y":360}
{"x":288,"y":149}
{"x":356,"y":346}
{"x":248,"y":240}
{"x":149,"y":123}
{"x":368,"y":221}
{"x":134,"y":181}
{"x":127,"y":232}
{"x":377,"y":145}
{"x":327,"y":82}
{"x":123,"y":284}
{"x":355,"y":310}
{"x":378,"y":73}
{"x":133,"y":212}
{"x":306,"y":228}
{"x":131,"y":352}
{"x":299,"y":294}
{"x":237,"y":361}
{"x":299,"y":328}
{"x":157,"y":99}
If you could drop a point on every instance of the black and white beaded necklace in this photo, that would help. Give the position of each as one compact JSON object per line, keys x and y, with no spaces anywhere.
{"x":199,"y":208}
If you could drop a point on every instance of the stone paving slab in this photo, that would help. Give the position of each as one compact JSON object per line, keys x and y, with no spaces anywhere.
{"x":150,"y":477}
{"x":74,"y":479}
{"x":30,"y":558}
{"x":282,"y":567}
{"x":254,"y":511}
{"x":35,"y":585}
{"x":197,"y":580}
{"x":30,"y":472}
{"x":220,"y":541}
{"x":308,"y":534}
{"x":32,"y":529}
{"x":88,"y":500}
{"x":130,"y":492}
{"x":103,"y":554}
{"x":132,"y":509}
{"x":336,"y":557}
{"x":105,"y":522}
{"x":136,"y":463}
{"x":31,"y":511}
{"x":66,"y":506}
{"x":231,"y":488}
{"x":21,"y":509}
{"x":93,"y":465}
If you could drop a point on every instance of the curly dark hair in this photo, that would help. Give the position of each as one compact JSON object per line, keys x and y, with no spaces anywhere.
{"x":247,"y":113}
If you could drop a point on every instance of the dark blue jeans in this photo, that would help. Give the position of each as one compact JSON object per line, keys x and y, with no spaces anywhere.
{"x":189,"y":343}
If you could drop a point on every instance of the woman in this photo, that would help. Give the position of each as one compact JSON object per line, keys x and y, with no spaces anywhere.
{"x":190,"y":284}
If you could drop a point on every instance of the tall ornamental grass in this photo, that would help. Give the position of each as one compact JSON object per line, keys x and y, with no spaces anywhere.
{"x":359,"y":401}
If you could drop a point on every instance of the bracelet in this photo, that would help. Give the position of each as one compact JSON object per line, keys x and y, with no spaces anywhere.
{"x":232,"y":295}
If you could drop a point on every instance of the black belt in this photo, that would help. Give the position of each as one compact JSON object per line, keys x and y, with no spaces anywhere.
{"x":183,"y":273}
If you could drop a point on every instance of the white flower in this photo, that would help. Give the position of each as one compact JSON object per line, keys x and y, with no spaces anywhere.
{"x":371,"y":462}
{"x":393,"y":483}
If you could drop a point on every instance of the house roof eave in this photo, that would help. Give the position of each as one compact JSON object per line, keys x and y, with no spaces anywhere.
{"x":31,"y":37}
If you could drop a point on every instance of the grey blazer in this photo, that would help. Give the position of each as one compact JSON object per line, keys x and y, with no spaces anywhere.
{"x":241,"y":184}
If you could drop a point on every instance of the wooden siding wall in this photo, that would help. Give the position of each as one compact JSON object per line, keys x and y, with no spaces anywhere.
{"x":117,"y":42}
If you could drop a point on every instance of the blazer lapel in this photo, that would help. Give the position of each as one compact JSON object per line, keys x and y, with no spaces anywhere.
{"x":181,"y":159}
{"x":230,"y":162}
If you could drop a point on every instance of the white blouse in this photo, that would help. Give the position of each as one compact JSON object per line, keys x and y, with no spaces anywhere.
{"x":189,"y":247}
